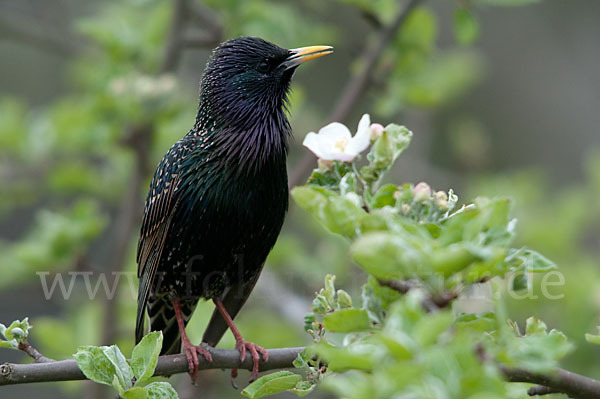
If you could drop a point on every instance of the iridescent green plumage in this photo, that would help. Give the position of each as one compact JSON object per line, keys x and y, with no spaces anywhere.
{"x":218,"y":197}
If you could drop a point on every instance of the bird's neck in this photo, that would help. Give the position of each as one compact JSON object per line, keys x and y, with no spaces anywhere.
{"x":245,"y":135}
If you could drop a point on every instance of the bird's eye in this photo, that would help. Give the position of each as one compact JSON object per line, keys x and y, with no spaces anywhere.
{"x":263,"y":67}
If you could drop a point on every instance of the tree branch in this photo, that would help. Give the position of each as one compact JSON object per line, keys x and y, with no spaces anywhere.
{"x":574,"y":385}
{"x":67,"y":370}
{"x":357,"y":86}
{"x":183,"y":12}
{"x":34,"y":353}
{"x":431,"y":303}
{"x":561,"y":381}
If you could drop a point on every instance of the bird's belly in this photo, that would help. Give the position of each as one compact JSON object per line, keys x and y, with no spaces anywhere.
{"x":223,"y":243}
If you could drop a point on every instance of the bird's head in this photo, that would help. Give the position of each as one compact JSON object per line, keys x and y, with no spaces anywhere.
{"x":249,"y":77}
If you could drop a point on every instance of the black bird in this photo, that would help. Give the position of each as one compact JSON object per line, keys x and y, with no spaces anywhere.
{"x":218,"y":198}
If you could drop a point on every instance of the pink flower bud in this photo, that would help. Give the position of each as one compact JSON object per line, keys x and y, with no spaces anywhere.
{"x":422,"y":192}
{"x":376,"y":131}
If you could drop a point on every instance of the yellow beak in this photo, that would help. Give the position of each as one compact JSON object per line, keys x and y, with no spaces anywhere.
{"x":303,"y":54}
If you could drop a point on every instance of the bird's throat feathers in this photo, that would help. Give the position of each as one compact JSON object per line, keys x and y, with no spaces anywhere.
{"x":245,"y":130}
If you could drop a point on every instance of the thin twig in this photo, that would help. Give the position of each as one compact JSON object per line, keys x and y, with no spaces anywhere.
{"x":67,"y":370}
{"x":397,"y":285}
{"x":560,"y":381}
{"x":356,"y":87}
{"x":539,"y":390}
{"x":431,"y":303}
{"x":34,"y":353}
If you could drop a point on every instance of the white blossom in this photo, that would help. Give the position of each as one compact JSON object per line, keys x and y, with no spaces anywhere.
{"x":335,"y":142}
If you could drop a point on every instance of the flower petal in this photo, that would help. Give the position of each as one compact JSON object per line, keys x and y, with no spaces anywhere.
{"x":363,"y":124}
{"x":317,"y":145}
{"x":342,"y":156}
{"x":335,"y":131}
{"x":361,"y":140}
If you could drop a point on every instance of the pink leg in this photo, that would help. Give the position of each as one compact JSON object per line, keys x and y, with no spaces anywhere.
{"x":191,"y":351}
{"x":241,"y":344}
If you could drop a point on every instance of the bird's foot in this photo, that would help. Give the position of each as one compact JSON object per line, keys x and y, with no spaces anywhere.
{"x":255,"y":351}
{"x":191,"y":353}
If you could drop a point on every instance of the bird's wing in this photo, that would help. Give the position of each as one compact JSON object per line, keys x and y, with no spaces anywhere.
{"x":158,"y":212}
{"x":233,"y":300}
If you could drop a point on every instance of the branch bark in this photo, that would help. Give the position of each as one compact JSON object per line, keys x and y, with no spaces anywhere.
{"x":34,"y":353}
{"x":67,"y":370}
{"x":357,"y":86}
{"x":561,"y":381}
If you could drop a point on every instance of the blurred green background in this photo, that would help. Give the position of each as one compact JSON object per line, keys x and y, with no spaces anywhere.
{"x":503,"y":97}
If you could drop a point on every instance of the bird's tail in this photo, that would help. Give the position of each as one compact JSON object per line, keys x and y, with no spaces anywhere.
{"x":162,"y":318}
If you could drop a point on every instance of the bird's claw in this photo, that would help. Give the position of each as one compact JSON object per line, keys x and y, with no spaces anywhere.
{"x":255,"y":351}
{"x":191,"y":353}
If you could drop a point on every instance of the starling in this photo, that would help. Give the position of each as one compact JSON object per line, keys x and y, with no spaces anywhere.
{"x":218,"y":198}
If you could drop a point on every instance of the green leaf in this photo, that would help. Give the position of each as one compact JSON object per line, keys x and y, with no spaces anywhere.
{"x":117,"y":385}
{"x":536,"y":262}
{"x":348,"y":183}
{"x":344,"y":299}
{"x":123,"y":372}
{"x":417,"y":36}
{"x":520,"y":282}
{"x":477,"y":322}
{"x":535,"y":326}
{"x":452,"y":259}
{"x":347,"y":320}
{"x":94,"y":364}
{"x":342,"y":214}
{"x":160,"y":390}
{"x":303,"y":388}
{"x":389,"y":256}
{"x":387,"y":148}
{"x":329,"y":291}
{"x":9,"y":344}
{"x":135,"y":393}
{"x":145,"y":355}
{"x":592,"y":339}
{"x":17,"y":331}
{"x":466,"y":27}
{"x":431,"y":326}
{"x":377,"y":299}
{"x":398,"y":343}
{"x":311,"y":198}
{"x":384,"y":197}
{"x":272,"y":383}
{"x":537,"y":351}
{"x":353,"y":357}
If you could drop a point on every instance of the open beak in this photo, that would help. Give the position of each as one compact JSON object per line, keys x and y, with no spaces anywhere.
{"x":303,"y":54}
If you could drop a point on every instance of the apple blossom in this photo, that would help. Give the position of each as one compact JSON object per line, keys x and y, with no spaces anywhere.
{"x":335,"y":142}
